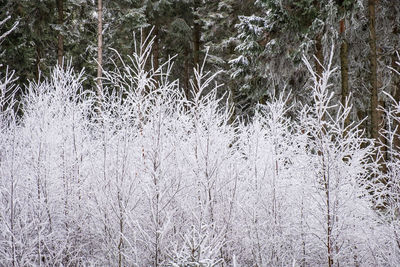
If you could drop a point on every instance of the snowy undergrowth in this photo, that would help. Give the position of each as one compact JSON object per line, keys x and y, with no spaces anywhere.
{"x":146,"y":176}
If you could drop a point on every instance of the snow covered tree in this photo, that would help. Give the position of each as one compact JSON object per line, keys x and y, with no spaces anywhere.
{"x":341,"y":160}
{"x":148,"y":172}
{"x":9,"y":166}
{"x":389,"y":193}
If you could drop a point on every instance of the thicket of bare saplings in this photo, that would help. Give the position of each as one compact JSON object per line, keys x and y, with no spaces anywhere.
{"x":144,"y":175}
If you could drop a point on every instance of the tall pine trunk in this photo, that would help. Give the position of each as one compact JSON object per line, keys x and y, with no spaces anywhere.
{"x":196,"y":36}
{"x":99,"y":47}
{"x":319,"y":56}
{"x":396,"y":96}
{"x":344,"y":64}
{"x":156,"y":49}
{"x":196,"y":44}
{"x":373,"y":71}
{"x":186,"y":73}
{"x":60,"y":43}
{"x":396,"y":82}
{"x":38,"y":60}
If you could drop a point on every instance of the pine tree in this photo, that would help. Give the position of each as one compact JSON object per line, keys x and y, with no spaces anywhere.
{"x":30,"y":48}
{"x":272,"y":40}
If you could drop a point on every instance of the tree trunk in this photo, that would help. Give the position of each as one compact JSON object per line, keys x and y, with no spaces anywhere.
{"x":12,"y":211}
{"x":319,"y":60}
{"x":396,"y":96}
{"x":196,"y":36}
{"x":396,"y":85}
{"x":382,"y":139}
{"x":99,"y":47}
{"x":327,"y":183}
{"x":38,"y":59}
{"x":373,"y":70}
{"x":60,"y":44}
{"x":196,"y":44}
{"x":186,"y":74}
{"x":121,"y":229}
{"x":196,"y":40}
{"x":344,"y":65}
{"x":156,"y":50}
{"x":319,"y":56}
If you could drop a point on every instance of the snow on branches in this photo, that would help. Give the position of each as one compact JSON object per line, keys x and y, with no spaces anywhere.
{"x":149,"y":176}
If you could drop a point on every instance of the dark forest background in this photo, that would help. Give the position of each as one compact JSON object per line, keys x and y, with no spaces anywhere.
{"x":257,"y":45}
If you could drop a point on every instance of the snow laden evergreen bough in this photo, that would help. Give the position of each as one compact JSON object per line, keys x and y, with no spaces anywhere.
{"x":144,"y":175}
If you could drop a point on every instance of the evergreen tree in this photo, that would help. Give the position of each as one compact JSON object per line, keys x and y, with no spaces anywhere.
{"x":273,"y":39}
{"x":30,"y":48}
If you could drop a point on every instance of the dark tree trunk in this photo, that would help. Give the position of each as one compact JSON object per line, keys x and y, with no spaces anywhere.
{"x":186,"y":74}
{"x":99,"y":47}
{"x":196,"y":44}
{"x":396,"y":96}
{"x":60,"y":43}
{"x":382,"y":139}
{"x":196,"y":36}
{"x":344,"y":64}
{"x":319,"y":56}
{"x":156,"y":50}
{"x":396,"y":85}
{"x":373,"y":71}
{"x":38,"y":59}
